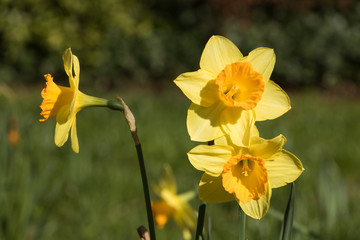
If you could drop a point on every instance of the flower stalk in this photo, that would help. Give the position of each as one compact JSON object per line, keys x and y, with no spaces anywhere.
{"x":242,"y":224}
{"x":130,"y":119}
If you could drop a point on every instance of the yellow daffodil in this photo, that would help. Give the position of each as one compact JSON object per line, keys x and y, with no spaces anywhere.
{"x":173,"y":205}
{"x":66,"y":102}
{"x":246,"y":175}
{"x":230,"y":92}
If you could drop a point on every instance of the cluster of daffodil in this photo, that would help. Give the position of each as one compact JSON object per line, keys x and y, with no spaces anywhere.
{"x":229,"y":93}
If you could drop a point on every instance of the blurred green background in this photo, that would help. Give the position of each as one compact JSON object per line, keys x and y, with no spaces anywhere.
{"x":135,"y":48}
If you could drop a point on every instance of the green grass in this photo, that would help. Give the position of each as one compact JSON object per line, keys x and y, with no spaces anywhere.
{"x":51,"y":193}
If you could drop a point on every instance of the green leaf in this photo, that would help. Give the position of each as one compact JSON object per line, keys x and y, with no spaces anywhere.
{"x":288,"y":216}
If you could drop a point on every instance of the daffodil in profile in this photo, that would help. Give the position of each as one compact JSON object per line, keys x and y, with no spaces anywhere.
{"x":230,"y":92}
{"x":66,"y":102}
{"x":246,"y":175}
{"x":173,"y":205}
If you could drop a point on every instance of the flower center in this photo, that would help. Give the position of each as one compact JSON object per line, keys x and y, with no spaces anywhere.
{"x":54,"y":98}
{"x":240,"y":86}
{"x":245,"y":176}
{"x":162,"y":212}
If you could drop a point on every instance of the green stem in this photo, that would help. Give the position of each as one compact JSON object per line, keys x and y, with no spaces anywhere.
{"x":115,"y":105}
{"x":200,"y":221}
{"x":146,"y":191}
{"x":242,"y":224}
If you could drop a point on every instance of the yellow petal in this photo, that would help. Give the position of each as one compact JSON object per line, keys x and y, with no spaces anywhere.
{"x":238,"y":124}
{"x":203,"y":122}
{"x":68,"y":64}
{"x":263,"y":61}
{"x":219,"y":52}
{"x":63,"y":125}
{"x":274,"y":102}
{"x":167,"y":180}
{"x":266,"y":148}
{"x":257,"y":208}
{"x":74,"y":138}
{"x":199,"y":87}
{"x":76,"y":69}
{"x":186,"y":220}
{"x":285,"y":168}
{"x":210,"y":159}
{"x":211,"y":190}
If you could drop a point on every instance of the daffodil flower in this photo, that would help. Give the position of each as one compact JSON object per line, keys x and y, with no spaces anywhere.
{"x":230,"y":92}
{"x":66,"y":102}
{"x":173,"y":205}
{"x":246,"y":175}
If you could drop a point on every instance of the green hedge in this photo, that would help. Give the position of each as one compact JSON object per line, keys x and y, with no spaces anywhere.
{"x":121,"y":41}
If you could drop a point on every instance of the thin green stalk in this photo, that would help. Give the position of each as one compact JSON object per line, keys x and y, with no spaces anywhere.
{"x":200,"y":221}
{"x":120,"y":105}
{"x":146,"y":191}
{"x":242,"y":224}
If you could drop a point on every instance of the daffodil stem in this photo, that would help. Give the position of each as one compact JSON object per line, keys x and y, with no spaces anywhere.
{"x":242,"y":224}
{"x":120,"y":105}
{"x":146,"y":189}
{"x":115,"y":105}
{"x":200,"y":221}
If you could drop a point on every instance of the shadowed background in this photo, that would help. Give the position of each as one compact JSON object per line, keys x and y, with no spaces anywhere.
{"x":135,"y":48}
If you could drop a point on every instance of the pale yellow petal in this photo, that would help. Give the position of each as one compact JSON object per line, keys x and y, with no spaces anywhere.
{"x":274,"y":102}
{"x":167,"y":180}
{"x":238,"y":124}
{"x":219,"y":52}
{"x":203,"y":122}
{"x":257,"y":208}
{"x":211,"y":190}
{"x":266,"y":148}
{"x":285,"y":168}
{"x":185,"y":217}
{"x":74,"y":138}
{"x":263,"y":61}
{"x":210,"y":159}
{"x":199,"y":87}
{"x":76,"y":69}
{"x":63,"y":125}
{"x":224,"y":140}
{"x":67,"y":59}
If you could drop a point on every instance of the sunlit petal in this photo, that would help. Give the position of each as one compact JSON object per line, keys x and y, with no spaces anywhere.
{"x":199,"y":87}
{"x":263,"y":60}
{"x":74,"y":138}
{"x":266,"y":148}
{"x":210,"y":159}
{"x":274,"y":103}
{"x":63,"y":125}
{"x":257,"y":208}
{"x":284,"y":168}
{"x":203,"y":122}
{"x":218,"y":53}
{"x":238,"y":124}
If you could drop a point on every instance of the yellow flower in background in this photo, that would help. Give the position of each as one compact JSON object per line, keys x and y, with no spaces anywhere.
{"x":230,"y":92}
{"x":66,"y":102}
{"x":173,"y":205}
{"x":246,"y":175}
